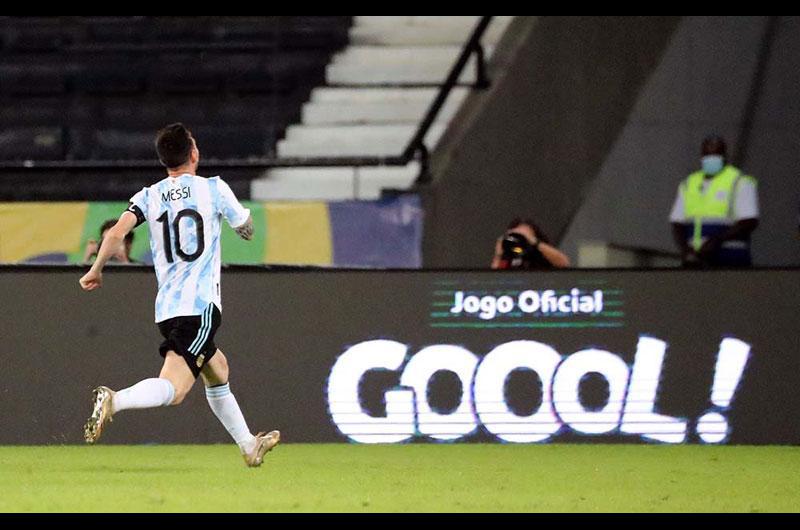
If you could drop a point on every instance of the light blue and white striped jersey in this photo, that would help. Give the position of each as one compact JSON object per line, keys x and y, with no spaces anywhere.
{"x":184,"y":214}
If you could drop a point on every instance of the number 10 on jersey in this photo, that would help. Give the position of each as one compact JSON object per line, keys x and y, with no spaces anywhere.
{"x":175,"y":226}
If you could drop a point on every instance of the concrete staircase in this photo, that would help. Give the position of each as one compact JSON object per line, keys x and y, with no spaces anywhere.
{"x":378,"y":90}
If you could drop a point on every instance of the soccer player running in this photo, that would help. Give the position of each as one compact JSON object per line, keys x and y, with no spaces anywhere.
{"x":184,"y":212}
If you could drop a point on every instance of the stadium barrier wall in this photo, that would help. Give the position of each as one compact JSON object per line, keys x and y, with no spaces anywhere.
{"x":604,"y":356}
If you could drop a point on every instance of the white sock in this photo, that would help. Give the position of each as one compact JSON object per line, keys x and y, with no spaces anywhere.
{"x":227,"y":410}
{"x":147,"y":394}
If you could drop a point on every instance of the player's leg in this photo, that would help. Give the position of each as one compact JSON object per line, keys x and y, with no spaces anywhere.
{"x":178,"y":373}
{"x":226,"y":409}
{"x":169,"y":388}
{"x":223,"y":403}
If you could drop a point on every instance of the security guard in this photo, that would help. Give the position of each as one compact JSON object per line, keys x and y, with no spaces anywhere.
{"x":715,"y":212}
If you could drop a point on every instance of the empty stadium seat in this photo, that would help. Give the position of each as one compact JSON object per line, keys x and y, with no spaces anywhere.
{"x":115,"y":30}
{"x":108,"y":83}
{"x":183,"y":76}
{"x":17,"y":80}
{"x":181,"y":30}
{"x":214,"y":142}
{"x":42,"y":110}
{"x":31,"y":143}
{"x":111,"y":144}
{"x":104,"y":73}
{"x":234,"y":141}
{"x":153,"y":113}
{"x":37,"y":38}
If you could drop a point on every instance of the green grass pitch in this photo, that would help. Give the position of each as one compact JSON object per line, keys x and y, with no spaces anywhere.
{"x":303,"y":478}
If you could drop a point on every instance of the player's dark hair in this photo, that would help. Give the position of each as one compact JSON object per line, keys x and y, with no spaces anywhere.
{"x":110,"y":224}
{"x":174,"y":145}
{"x":519,"y":221}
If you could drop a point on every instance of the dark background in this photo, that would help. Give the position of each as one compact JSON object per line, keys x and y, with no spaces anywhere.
{"x":591,"y":123}
{"x":282,"y":332}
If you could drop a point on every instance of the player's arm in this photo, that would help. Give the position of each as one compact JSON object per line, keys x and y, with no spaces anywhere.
{"x":94,"y":278}
{"x":238,"y":217}
{"x":246,"y":230}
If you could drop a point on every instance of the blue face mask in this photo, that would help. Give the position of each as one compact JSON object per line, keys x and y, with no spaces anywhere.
{"x":712,"y":164}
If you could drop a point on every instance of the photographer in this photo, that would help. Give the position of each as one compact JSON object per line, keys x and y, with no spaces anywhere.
{"x":524,"y":246}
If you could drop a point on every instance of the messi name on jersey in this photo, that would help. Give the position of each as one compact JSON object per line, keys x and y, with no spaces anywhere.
{"x":176,"y":194}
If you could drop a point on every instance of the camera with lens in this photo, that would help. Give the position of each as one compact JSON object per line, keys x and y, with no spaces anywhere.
{"x":518,"y":253}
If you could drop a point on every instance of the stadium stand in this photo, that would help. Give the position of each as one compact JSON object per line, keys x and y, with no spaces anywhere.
{"x":288,"y":108}
{"x":377,"y":91}
{"x":241,"y":78}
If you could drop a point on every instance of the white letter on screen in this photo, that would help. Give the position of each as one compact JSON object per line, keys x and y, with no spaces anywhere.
{"x":639,"y":417}
{"x":343,"y":399}
{"x":490,"y":402}
{"x":417,"y":374}
{"x":566,"y":386}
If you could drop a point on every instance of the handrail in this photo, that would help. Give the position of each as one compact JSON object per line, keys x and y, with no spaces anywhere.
{"x":473,"y":45}
{"x":655,"y":252}
{"x":415,"y":148}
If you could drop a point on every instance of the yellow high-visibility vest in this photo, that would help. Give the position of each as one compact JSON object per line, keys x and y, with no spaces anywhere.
{"x":715,"y":204}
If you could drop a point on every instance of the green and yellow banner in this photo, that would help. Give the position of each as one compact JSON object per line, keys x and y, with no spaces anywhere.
{"x":350,"y":233}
